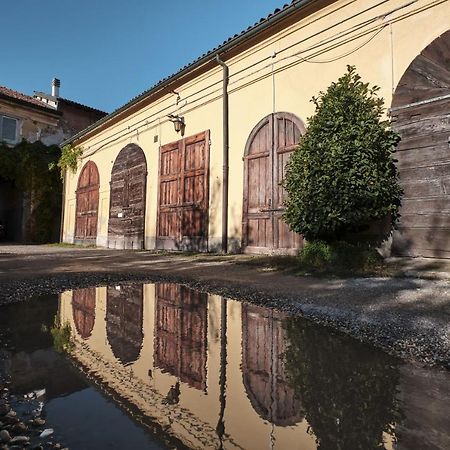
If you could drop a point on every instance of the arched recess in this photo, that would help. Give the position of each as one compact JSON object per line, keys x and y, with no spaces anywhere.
{"x":127,"y":199}
{"x":421,"y":115}
{"x":263,"y":371}
{"x":87,"y":204}
{"x":83,"y":309}
{"x":267,"y":151}
{"x":124,"y":321}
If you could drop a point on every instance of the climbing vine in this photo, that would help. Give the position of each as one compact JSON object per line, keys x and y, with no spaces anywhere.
{"x":32,"y":168}
{"x":69,"y":159}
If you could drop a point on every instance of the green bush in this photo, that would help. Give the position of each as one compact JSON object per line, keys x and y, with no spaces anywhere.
{"x":338,"y":257}
{"x":342,"y":176}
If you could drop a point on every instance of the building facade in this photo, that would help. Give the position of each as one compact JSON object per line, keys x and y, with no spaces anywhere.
{"x":241,"y":109}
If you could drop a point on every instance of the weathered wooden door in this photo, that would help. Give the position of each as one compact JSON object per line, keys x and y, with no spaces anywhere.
{"x":267,"y":151}
{"x":87,"y":204}
{"x":184,"y":194}
{"x":181,"y":339}
{"x":127,"y":199}
{"x":421,"y":115}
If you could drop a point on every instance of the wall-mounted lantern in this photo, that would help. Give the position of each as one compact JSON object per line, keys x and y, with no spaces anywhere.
{"x":178,"y":123}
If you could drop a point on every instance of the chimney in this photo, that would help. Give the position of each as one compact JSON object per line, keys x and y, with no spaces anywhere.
{"x":55,"y":87}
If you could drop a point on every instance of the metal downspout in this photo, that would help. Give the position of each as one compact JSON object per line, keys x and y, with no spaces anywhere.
{"x":226,"y":146}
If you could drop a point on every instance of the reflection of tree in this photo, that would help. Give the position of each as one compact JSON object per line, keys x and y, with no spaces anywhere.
{"x":347,"y":391}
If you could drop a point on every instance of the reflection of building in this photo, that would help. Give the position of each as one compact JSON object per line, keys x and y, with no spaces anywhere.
{"x":83,"y":304}
{"x":124,"y":315}
{"x":180,"y":333}
{"x":263,"y":348}
{"x":191,"y":343}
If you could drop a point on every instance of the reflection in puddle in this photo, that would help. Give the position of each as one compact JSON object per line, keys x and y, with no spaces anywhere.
{"x":218,"y":373}
{"x":124,"y":315}
{"x":205,"y":372}
{"x":263,"y":367}
{"x":180,"y":333}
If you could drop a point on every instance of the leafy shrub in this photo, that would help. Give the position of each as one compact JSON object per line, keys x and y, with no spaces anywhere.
{"x":338,"y":257}
{"x":342,"y":176}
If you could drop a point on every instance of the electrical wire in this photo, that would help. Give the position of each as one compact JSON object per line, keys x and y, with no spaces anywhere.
{"x":280,"y":51}
{"x":378,"y":29}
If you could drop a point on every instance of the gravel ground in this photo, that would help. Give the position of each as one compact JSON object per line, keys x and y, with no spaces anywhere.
{"x":407,"y":317}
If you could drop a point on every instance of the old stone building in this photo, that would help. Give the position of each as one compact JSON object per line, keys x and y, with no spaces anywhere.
{"x":49,"y":119}
{"x":196,"y":161}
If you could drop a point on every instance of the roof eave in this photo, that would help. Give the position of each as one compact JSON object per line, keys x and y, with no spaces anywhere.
{"x":230,"y":44}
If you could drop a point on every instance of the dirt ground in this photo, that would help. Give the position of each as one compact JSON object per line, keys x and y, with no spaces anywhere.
{"x":407,"y":316}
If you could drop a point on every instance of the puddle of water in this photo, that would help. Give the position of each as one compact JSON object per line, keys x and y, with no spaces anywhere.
{"x":171,"y":367}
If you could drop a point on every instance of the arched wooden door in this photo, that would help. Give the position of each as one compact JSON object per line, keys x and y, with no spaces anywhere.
{"x":127,"y":199}
{"x":421,"y":115}
{"x":267,"y":151}
{"x":87,"y":204}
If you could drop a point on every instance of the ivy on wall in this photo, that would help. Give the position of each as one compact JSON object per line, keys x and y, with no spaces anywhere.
{"x":69,"y":159}
{"x":34,"y":170}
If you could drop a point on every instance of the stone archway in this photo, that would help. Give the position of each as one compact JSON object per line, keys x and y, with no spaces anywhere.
{"x":127,"y":199}
{"x":421,"y":115}
{"x":267,"y":151}
{"x":87,"y":204}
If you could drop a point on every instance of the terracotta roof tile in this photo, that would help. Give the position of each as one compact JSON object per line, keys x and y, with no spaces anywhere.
{"x":23,"y":98}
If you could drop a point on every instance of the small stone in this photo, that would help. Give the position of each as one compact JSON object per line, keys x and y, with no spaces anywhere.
{"x":4,"y":409}
{"x":39,"y":422}
{"x":19,"y":427}
{"x":38,"y":447}
{"x":19,"y":440}
{"x":5,"y":436}
{"x":47,"y":432}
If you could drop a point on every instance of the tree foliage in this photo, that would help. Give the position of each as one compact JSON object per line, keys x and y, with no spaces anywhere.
{"x":342,"y":176}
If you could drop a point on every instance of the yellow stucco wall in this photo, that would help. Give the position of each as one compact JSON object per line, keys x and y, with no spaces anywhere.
{"x":380,"y":38}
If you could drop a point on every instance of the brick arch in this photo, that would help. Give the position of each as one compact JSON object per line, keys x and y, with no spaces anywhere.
{"x":421,"y":115}
{"x":268,"y":148}
{"x":87,"y":204}
{"x":127,"y":199}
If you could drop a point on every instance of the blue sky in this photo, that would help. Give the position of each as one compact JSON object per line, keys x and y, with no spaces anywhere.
{"x":107,"y":51}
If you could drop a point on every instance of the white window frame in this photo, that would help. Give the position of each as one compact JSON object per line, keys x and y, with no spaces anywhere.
{"x":8,"y":141}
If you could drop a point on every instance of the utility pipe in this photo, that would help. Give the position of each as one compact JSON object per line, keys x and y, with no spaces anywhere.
{"x":226,"y":147}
